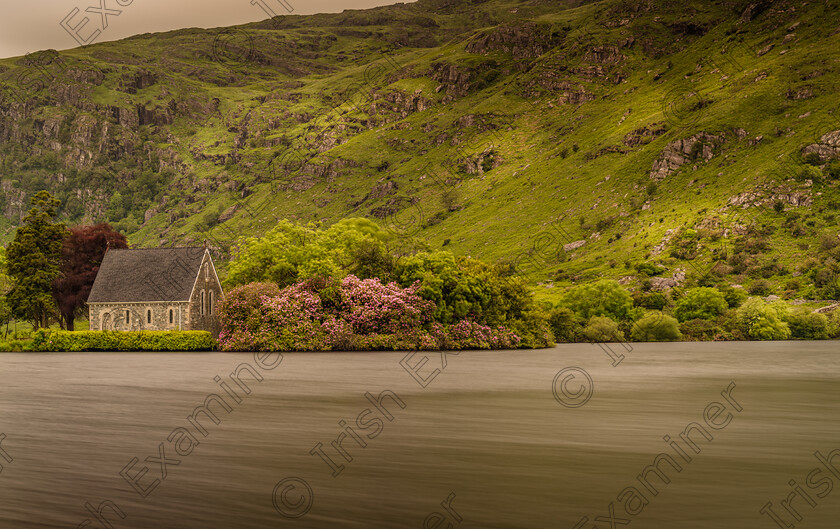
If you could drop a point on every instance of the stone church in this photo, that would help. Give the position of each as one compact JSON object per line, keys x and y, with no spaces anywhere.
{"x":158,"y":289}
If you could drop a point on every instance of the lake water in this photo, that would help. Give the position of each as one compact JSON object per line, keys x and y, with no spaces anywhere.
{"x":495,"y":439}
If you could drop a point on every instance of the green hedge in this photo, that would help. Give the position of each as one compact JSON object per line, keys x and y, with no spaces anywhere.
{"x":15,"y":346}
{"x":123,"y":341}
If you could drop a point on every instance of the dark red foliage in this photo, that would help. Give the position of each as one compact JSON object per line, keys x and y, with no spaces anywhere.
{"x":81,"y":256}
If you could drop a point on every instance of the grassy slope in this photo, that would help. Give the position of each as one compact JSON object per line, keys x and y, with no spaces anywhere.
{"x":504,"y":211}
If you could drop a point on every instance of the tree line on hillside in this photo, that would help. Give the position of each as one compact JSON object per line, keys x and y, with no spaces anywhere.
{"x":47,"y":270}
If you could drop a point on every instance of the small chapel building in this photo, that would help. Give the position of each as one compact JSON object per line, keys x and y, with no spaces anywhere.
{"x":158,"y":289}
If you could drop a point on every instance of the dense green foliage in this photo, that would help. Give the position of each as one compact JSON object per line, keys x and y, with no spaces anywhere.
{"x":761,"y":320}
{"x":602,"y":298}
{"x":290,"y":253}
{"x":806,"y":325}
{"x":602,"y":329}
{"x":700,"y":303}
{"x":656,"y":327}
{"x":33,"y":261}
{"x":59,"y":341}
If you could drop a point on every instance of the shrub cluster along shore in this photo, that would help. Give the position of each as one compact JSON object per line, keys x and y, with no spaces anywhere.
{"x":349,"y":288}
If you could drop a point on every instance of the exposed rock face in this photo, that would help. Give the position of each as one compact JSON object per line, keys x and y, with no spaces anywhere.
{"x":666,"y":283}
{"x":754,"y":198}
{"x":487,"y":160}
{"x":664,"y":242}
{"x":381,"y":190}
{"x":135,"y":81}
{"x":405,"y":104}
{"x":522,"y":41}
{"x":573,"y":245}
{"x":829,"y":308}
{"x":572,"y":94}
{"x":645,"y":135}
{"x":679,"y":152}
{"x":827,"y":149}
{"x":803,"y":92}
{"x":604,"y":55}
{"x":456,"y":81}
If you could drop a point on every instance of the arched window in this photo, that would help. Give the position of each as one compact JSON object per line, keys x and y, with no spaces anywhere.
{"x":202,"y":302}
{"x":171,"y":316}
{"x":127,"y":317}
{"x":148,"y":315}
{"x":211,"y":302}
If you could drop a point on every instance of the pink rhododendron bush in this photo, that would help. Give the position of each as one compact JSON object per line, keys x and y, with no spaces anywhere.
{"x":351,"y":314}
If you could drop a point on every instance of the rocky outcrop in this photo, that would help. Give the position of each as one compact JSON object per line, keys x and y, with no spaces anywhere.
{"x":456,"y":81}
{"x":573,"y":245}
{"x":132,"y":82}
{"x":768,"y":199}
{"x":402,"y":103}
{"x":480,"y":163}
{"x":605,"y":54}
{"x":667,"y":283}
{"x":677,"y":153}
{"x":522,"y":41}
{"x":382,"y":189}
{"x":645,"y":135}
{"x":803,"y":92}
{"x":827,"y":149}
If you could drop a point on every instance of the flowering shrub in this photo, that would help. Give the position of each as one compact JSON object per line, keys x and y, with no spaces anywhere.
{"x":354,"y":314}
{"x":468,"y":334}
{"x":241,"y":316}
{"x":371,"y":307}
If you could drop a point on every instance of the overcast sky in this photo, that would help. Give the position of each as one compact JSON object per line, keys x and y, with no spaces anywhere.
{"x":31,"y":25}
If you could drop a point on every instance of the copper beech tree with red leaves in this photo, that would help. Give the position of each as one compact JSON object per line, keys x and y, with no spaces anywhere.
{"x":81,"y":254}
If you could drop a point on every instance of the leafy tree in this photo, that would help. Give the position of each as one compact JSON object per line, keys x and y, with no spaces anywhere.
{"x":700,"y":330}
{"x":602,"y":329}
{"x":5,"y":280}
{"x":289,"y":253}
{"x":603,"y":298}
{"x":81,"y":254}
{"x":34,"y":261}
{"x":734,"y":296}
{"x":656,"y":327}
{"x":650,"y":300}
{"x":807,"y":325}
{"x":703,"y":302}
{"x":763,"y":321}
{"x":565,"y":325}
{"x":5,"y":315}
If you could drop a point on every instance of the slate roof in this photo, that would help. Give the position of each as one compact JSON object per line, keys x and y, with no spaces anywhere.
{"x":146,"y":274}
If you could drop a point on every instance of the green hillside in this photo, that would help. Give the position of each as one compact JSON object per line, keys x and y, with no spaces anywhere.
{"x":699,"y":137}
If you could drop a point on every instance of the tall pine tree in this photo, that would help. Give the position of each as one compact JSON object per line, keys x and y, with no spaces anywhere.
{"x":33,"y":261}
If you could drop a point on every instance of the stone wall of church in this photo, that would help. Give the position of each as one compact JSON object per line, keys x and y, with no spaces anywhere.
{"x":150,"y":316}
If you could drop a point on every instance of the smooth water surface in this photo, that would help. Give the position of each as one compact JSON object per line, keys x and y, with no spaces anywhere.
{"x":487,"y":428}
